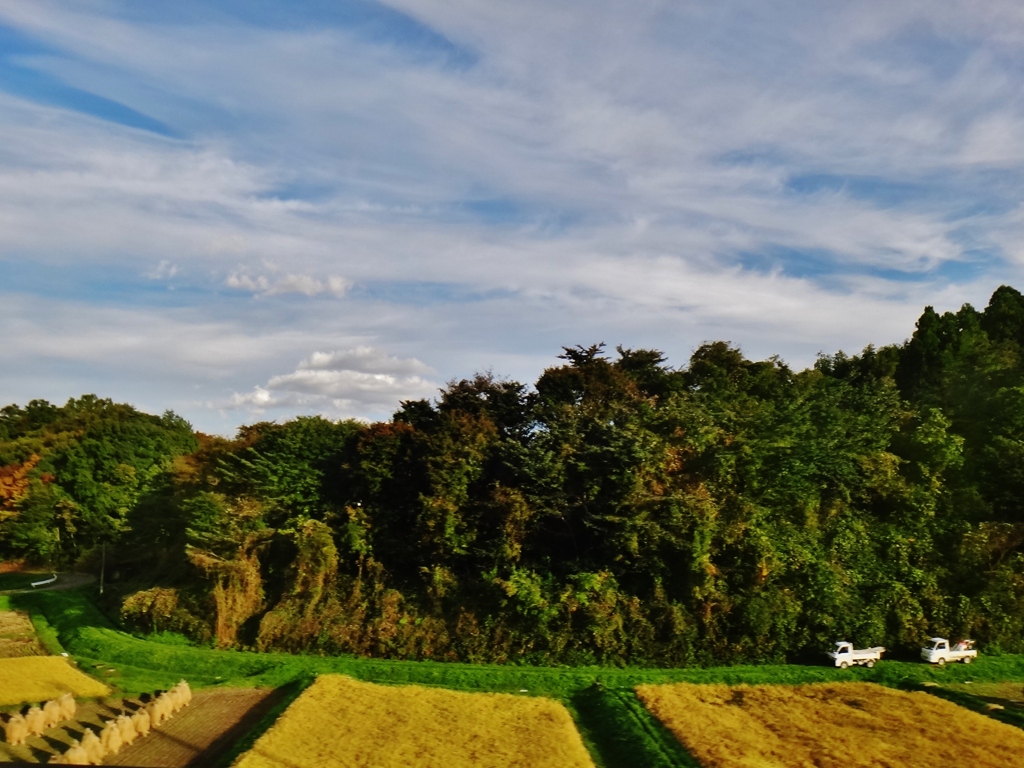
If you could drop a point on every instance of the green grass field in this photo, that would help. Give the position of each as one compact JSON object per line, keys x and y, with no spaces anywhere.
{"x":616,"y":728}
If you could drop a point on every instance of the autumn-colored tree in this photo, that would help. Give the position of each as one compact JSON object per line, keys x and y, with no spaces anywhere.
{"x":14,"y":485}
{"x":621,"y":510}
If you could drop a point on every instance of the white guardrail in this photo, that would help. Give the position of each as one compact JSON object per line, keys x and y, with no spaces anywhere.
{"x":45,"y":581}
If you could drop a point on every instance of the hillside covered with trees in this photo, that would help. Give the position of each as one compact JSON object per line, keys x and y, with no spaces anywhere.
{"x":620,"y":510}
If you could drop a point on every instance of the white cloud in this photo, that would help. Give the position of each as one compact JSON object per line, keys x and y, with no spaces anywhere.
{"x":995,"y":140}
{"x":245,"y":283}
{"x":163,"y":270}
{"x":365,"y":360}
{"x":346,"y":383}
{"x":795,"y":178}
{"x":230,"y":244}
{"x":307,"y":285}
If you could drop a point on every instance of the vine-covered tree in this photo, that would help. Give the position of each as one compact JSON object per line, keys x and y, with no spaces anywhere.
{"x":620,"y":510}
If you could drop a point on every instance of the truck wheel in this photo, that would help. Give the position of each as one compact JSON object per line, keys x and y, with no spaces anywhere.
{"x":869,"y":664}
{"x":843,"y":665}
{"x":942,"y":661}
{"x":967,"y":659}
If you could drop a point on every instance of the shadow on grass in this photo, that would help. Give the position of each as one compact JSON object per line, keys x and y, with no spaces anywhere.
{"x":247,"y":733}
{"x":623,"y":733}
{"x":981,"y":704}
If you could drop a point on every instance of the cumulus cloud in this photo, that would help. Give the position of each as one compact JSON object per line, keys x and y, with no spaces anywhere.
{"x":307,"y":285}
{"x":510,"y":178}
{"x":355,"y":382}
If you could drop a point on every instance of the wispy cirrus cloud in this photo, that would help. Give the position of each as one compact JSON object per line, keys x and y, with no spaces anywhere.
{"x":495,"y":180}
{"x":163,"y":271}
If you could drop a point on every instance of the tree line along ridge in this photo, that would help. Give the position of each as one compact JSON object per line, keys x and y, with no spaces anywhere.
{"x":618,"y":511}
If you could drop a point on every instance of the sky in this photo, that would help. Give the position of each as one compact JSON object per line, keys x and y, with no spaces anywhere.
{"x":246,"y":210}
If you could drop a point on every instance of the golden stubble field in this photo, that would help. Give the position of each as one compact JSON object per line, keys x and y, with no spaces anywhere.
{"x":342,"y":722}
{"x":829,"y":725}
{"x":18,"y":636}
{"x":37,"y":678}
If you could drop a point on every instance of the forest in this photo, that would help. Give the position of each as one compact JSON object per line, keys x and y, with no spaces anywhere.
{"x":618,"y":511}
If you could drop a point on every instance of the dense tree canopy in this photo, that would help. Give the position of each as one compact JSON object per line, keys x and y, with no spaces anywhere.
{"x":620,"y":510}
{"x":78,"y":472}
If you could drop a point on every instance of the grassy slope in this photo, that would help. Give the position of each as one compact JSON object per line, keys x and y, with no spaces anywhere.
{"x":618,"y":731}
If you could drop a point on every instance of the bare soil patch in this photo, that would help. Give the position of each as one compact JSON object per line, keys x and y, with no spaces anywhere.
{"x":200,"y":733}
{"x":90,"y":713}
{"x":195,"y":736}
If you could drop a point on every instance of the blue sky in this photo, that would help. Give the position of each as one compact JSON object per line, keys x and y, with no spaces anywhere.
{"x":250,"y":209}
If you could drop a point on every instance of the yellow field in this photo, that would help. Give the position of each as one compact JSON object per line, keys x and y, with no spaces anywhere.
{"x":342,"y":722}
{"x":38,"y":678}
{"x":829,"y":725}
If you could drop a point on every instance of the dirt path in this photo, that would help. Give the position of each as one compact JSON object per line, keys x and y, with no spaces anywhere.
{"x":201,"y":732}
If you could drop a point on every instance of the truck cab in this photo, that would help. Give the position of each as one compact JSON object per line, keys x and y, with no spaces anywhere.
{"x":845,"y":655}
{"x":939,"y":651}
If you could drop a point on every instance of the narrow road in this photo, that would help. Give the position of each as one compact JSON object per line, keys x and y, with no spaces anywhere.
{"x":64,"y":581}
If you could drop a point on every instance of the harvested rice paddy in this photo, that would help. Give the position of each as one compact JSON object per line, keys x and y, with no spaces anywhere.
{"x":37,"y":678}
{"x":829,"y":725}
{"x":18,"y":636}
{"x":343,"y":722}
{"x":200,"y":733}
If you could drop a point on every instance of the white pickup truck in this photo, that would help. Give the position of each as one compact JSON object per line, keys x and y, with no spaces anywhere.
{"x":845,"y":655}
{"x":938,"y":651}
